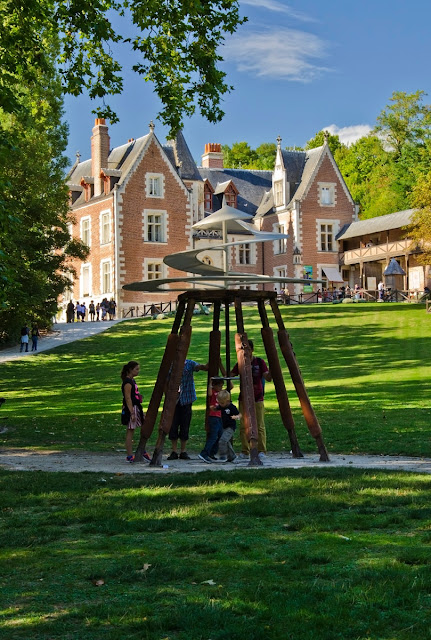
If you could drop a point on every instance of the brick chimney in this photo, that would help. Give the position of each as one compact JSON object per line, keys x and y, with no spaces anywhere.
{"x":213,"y":156}
{"x":100,"y":142}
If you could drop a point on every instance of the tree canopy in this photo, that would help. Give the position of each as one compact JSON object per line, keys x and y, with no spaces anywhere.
{"x":175,"y":47}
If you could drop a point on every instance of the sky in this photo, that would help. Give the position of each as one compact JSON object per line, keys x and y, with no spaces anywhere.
{"x":298,"y":67}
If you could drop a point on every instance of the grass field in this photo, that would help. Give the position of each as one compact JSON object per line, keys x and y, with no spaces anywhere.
{"x":366,"y":367}
{"x":327,"y":554}
{"x":312,"y":554}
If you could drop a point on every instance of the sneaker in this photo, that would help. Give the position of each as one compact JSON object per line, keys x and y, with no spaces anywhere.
{"x":262,"y":456}
{"x":130,"y":458}
{"x":222,"y":459}
{"x":243,"y":456}
{"x":235,"y":459}
{"x":173,"y":456}
{"x":213,"y":458}
{"x":205,"y":458}
{"x":184,"y":456}
{"x":146,"y":456}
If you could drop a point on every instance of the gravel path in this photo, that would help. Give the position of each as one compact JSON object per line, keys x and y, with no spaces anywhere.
{"x":78,"y":461}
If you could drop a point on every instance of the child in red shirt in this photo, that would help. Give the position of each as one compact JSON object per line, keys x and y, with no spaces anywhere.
{"x":214,"y":421}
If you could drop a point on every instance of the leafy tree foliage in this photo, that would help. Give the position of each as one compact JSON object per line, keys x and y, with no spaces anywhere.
{"x":35,"y":244}
{"x":176,"y":47}
{"x":420,"y":230}
{"x":242,"y":156}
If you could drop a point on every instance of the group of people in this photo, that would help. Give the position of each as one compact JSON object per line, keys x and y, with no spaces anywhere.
{"x":223,"y":415}
{"x":100,"y":311}
{"x":26,"y":334}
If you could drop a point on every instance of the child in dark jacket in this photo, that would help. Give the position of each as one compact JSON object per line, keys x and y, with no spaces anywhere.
{"x":229,"y":415}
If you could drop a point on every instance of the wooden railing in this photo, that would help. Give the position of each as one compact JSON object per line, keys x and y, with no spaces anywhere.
{"x":150,"y":309}
{"x":379,"y":251}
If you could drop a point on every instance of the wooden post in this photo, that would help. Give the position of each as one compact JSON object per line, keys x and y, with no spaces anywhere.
{"x":243,"y":353}
{"x":213,"y":355}
{"x":295,"y":372}
{"x":171,"y":395}
{"x":156,"y":397}
{"x":277,"y":377}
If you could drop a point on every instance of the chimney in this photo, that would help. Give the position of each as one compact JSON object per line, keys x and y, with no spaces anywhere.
{"x":213,"y":156}
{"x":99,"y":153}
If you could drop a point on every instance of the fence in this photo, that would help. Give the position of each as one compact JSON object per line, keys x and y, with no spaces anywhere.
{"x":150,"y":309}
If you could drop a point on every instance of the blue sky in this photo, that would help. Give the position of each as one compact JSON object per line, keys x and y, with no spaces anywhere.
{"x":297,"y":67}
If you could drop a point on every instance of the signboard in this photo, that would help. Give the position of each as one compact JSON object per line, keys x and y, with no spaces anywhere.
{"x":371,"y":283}
{"x":308,"y":288}
{"x":308,"y":271}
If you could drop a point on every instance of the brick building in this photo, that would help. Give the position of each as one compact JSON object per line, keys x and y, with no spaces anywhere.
{"x":135,"y":204}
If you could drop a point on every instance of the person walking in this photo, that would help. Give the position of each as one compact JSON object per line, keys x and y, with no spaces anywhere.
{"x":24,"y":338}
{"x":35,"y":335}
{"x":92,"y":310}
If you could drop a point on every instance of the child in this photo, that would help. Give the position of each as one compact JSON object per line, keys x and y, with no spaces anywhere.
{"x":214,"y":422}
{"x":132,"y":414}
{"x":229,"y":413}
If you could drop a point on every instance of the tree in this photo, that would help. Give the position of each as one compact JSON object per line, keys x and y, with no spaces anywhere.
{"x":334,"y":142}
{"x":239,"y":156}
{"x":420,"y":229}
{"x":35,"y":245}
{"x":176,"y":48}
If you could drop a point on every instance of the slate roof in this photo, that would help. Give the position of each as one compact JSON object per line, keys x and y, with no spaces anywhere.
{"x":181,"y":158}
{"x":251,"y":184}
{"x":375,"y":225}
{"x":301,"y":166}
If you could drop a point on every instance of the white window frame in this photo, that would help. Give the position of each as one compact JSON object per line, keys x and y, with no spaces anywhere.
{"x":148,"y":214}
{"x":326,"y":192}
{"x":83,"y":294}
{"x":85,"y":220}
{"x":102,"y":276}
{"x":151,"y":179}
{"x":280,"y":246}
{"x":103,"y":215}
{"x":278,"y":193}
{"x":249,"y":250}
{"x":320,"y":223}
{"x":148,"y":271}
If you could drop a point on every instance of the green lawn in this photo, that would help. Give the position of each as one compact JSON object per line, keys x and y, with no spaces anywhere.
{"x":311,"y":554}
{"x":366,"y":367}
{"x":299,"y":555}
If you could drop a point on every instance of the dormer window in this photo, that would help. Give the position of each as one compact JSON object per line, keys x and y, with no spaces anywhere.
{"x":326,"y":194}
{"x":230,"y":196}
{"x":208,"y":197}
{"x":154,"y":185}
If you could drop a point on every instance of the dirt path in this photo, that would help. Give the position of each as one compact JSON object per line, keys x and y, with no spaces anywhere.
{"x":78,"y":461}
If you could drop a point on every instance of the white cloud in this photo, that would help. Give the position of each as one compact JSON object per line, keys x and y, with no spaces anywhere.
{"x":280,"y":53}
{"x":274,"y":5}
{"x":349,"y":135}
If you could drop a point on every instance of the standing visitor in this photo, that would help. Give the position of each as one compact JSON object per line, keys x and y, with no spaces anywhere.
{"x":92,"y":310}
{"x":183,"y":410}
{"x":34,"y":336}
{"x":260,"y":373}
{"x":132,"y":414}
{"x":215,"y":426}
{"x":24,"y":338}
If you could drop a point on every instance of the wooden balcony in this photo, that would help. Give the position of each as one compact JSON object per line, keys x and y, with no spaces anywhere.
{"x":379,"y":252}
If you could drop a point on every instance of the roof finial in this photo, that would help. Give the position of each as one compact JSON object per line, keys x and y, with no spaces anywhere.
{"x":151,"y":125}
{"x":326,"y":137}
{"x":279,"y":139}
{"x":78,"y":156}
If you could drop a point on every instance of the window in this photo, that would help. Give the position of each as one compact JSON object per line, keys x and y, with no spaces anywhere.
{"x":85,"y":231}
{"x":208,"y":198}
{"x":279,"y":245}
{"x":106,"y":276}
{"x":105,"y":227}
{"x":327,"y":195}
{"x":154,"y":231}
{"x":278,"y":193}
{"x":230,"y":197}
{"x":326,"y":237}
{"x":280,"y":273}
{"x":244,"y":254}
{"x":154,"y":270}
{"x":154,"y":185}
{"x":86,"y":280}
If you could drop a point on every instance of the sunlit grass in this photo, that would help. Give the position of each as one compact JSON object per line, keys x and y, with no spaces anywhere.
{"x":366,"y":369}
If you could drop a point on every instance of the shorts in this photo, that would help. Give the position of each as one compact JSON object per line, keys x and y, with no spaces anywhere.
{"x":181,"y":423}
